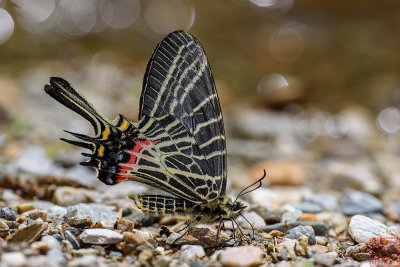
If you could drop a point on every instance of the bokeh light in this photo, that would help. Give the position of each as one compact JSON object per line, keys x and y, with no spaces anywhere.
{"x":388,"y":120}
{"x":272,"y":8}
{"x":119,"y":14}
{"x":6,"y":26}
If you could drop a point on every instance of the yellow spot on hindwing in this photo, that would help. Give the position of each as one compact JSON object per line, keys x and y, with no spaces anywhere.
{"x":100,"y":151}
{"x":124,"y":125}
{"x":106,"y":133}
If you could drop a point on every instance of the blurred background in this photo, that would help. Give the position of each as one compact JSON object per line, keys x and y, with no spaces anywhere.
{"x":309,"y":89}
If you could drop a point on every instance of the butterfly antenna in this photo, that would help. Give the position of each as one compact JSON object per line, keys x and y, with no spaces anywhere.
{"x":259,"y":182}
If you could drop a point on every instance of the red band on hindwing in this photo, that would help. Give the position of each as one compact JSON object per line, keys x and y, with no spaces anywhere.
{"x":137,"y":149}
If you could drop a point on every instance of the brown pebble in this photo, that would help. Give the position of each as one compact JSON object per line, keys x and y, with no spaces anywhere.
{"x":276,"y":233}
{"x":21,"y":208}
{"x":242,"y":256}
{"x":319,"y":248}
{"x":30,"y":233}
{"x":136,"y":239}
{"x":37,"y":213}
{"x":124,"y":225}
{"x":80,"y":221}
{"x":41,"y":246}
{"x":301,"y":246}
{"x":144,"y":257}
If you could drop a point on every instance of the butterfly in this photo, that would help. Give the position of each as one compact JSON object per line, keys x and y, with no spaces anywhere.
{"x":177,"y":145}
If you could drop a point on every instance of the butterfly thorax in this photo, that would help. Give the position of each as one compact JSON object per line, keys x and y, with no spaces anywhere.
{"x":218,"y":209}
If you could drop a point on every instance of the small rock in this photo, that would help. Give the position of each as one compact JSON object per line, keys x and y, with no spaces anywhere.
{"x":191,"y":252}
{"x":34,"y":161}
{"x":362,"y":229}
{"x":137,"y":239}
{"x":68,"y":195}
{"x":326,"y":201}
{"x":307,"y":207}
{"x":362,"y":256}
{"x":290,"y":214}
{"x":30,"y":233}
{"x":21,"y":208}
{"x":242,"y":256}
{"x":145,"y":257}
{"x":256,"y":220}
{"x":51,"y":241}
{"x":16,"y":259}
{"x":8,"y":214}
{"x":71,"y":239}
{"x":325,"y":259}
{"x":356,"y":202}
{"x":87,"y":260}
{"x":37,"y":213}
{"x":393,"y":211}
{"x":286,"y":249}
{"x":100,"y":236}
{"x":206,"y":235}
{"x":80,"y":221}
{"x":299,"y":231}
{"x":348,"y":263}
{"x":98,"y":213}
{"x":301,"y":246}
{"x":319,"y":248}
{"x":124,"y":225}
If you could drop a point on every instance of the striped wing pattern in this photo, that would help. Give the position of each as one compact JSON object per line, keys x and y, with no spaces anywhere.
{"x":178,"y":144}
{"x":178,"y":83}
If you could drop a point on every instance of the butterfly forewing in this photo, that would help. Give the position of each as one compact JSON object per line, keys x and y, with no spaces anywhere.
{"x":178,"y":84}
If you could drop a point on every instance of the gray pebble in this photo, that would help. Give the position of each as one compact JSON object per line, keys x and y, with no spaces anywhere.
{"x":107,"y":215}
{"x":362,"y":229}
{"x":8,"y":213}
{"x":325,"y":259}
{"x":298,"y":231}
{"x":71,"y":239}
{"x":100,"y":236}
{"x":320,"y":228}
{"x":191,"y":252}
{"x":356,"y":202}
{"x":307,"y":207}
{"x":326,"y":201}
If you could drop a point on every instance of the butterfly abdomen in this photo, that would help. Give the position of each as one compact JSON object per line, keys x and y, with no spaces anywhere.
{"x":162,"y":204}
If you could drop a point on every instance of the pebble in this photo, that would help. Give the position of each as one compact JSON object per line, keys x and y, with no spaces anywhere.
{"x":21,"y":208}
{"x":290,"y":214}
{"x":242,"y":256}
{"x":16,"y":259}
{"x":320,"y":228}
{"x":301,"y":246}
{"x":71,"y":239}
{"x":8,"y":214}
{"x":286,"y":249}
{"x":307,"y":207}
{"x":362,"y":229}
{"x":144,"y":257}
{"x":87,"y":260}
{"x":326,"y":201}
{"x":191,"y":252}
{"x":68,"y":195}
{"x":356,"y":202}
{"x":256,"y":220}
{"x":100,"y":236}
{"x":34,"y":161}
{"x":137,"y":239}
{"x":98,"y":213}
{"x":37,"y":213}
{"x":299,"y":231}
{"x":325,"y":259}
{"x":206,"y":235}
{"x":30,"y":233}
